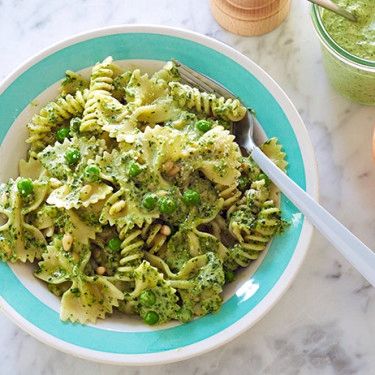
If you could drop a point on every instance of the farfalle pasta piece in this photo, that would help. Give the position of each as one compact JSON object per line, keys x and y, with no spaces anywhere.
{"x":124,"y":209}
{"x":168,"y":73}
{"x":78,"y":195}
{"x":142,"y":90}
{"x":117,"y":119}
{"x":214,"y":153}
{"x":30,"y":169}
{"x":116,"y":168}
{"x":190,"y":267}
{"x":201,"y":294}
{"x":189,"y":241}
{"x":160,"y":110}
{"x":122,"y":121}
{"x":45,"y":216}
{"x":218,"y":156}
{"x":273,"y":149}
{"x":125,"y":131}
{"x":164,"y":144}
{"x":53,"y":220}
{"x":147,"y":278}
{"x":89,"y":297}
{"x":56,"y":265}
{"x":81,"y":230}
{"x":112,"y":166}
{"x":160,"y":144}
{"x":54,"y":158}
{"x":20,"y":241}
{"x":147,"y":102}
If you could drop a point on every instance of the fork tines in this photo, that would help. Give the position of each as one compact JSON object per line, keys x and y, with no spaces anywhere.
{"x":201,"y":81}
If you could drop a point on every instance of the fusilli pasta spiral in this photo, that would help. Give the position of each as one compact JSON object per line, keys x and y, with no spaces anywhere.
{"x":131,"y":254}
{"x":52,"y":115}
{"x":230,"y":194}
{"x":253,"y":222}
{"x":209,"y":104}
{"x":101,"y":84}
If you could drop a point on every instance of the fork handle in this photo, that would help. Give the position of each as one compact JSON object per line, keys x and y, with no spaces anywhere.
{"x":356,"y":252}
{"x":330,"y":5}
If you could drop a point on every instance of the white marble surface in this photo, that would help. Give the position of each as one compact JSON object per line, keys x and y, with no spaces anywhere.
{"x":325,"y":323}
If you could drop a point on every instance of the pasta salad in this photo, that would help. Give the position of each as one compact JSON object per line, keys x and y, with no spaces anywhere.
{"x":135,"y":197}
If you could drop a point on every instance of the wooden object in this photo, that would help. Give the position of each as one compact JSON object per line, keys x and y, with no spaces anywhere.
{"x":250,"y":17}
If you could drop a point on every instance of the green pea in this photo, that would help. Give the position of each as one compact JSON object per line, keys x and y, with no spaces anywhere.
{"x":62,"y":133}
{"x":229,"y":276}
{"x":134,"y":169}
{"x":167,"y":205}
{"x":191,"y":198}
{"x":114,"y":244}
{"x":149,"y":201}
{"x":92,"y":172}
{"x":203,"y":125}
{"x":72,"y":157}
{"x":147,"y":298}
{"x":25,"y":187}
{"x":151,"y":318}
{"x":185,"y":315}
{"x":75,"y":124}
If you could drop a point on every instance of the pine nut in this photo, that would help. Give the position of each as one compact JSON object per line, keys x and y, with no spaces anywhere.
{"x":168,"y":166}
{"x":55,"y":183}
{"x":174,"y":171}
{"x":117,"y":207}
{"x":165,"y":230}
{"x":85,"y":191}
{"x":49,"y":231}
{"x":101,"y":270}
{"x":67,"y":241}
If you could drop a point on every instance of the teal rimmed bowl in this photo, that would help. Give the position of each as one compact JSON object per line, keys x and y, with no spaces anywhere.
{"x":123,"y":340}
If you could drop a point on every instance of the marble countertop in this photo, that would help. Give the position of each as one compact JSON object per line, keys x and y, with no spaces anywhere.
{"x":325,"y":323}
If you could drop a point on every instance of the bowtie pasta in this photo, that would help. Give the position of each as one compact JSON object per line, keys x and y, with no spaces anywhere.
{"x":135,"y":197}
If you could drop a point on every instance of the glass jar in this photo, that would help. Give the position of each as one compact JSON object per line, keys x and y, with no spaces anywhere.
{"x":352,"y":76}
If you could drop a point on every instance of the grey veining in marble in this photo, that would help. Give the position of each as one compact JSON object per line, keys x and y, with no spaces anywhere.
{"x":325,"y":323}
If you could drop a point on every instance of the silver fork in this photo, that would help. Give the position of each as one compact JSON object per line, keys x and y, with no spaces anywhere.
{"x":330,"y":5}
{"x":357,"y":253}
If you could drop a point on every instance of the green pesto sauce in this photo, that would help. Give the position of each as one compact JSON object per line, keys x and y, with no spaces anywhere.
{"x":358,"y":38}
